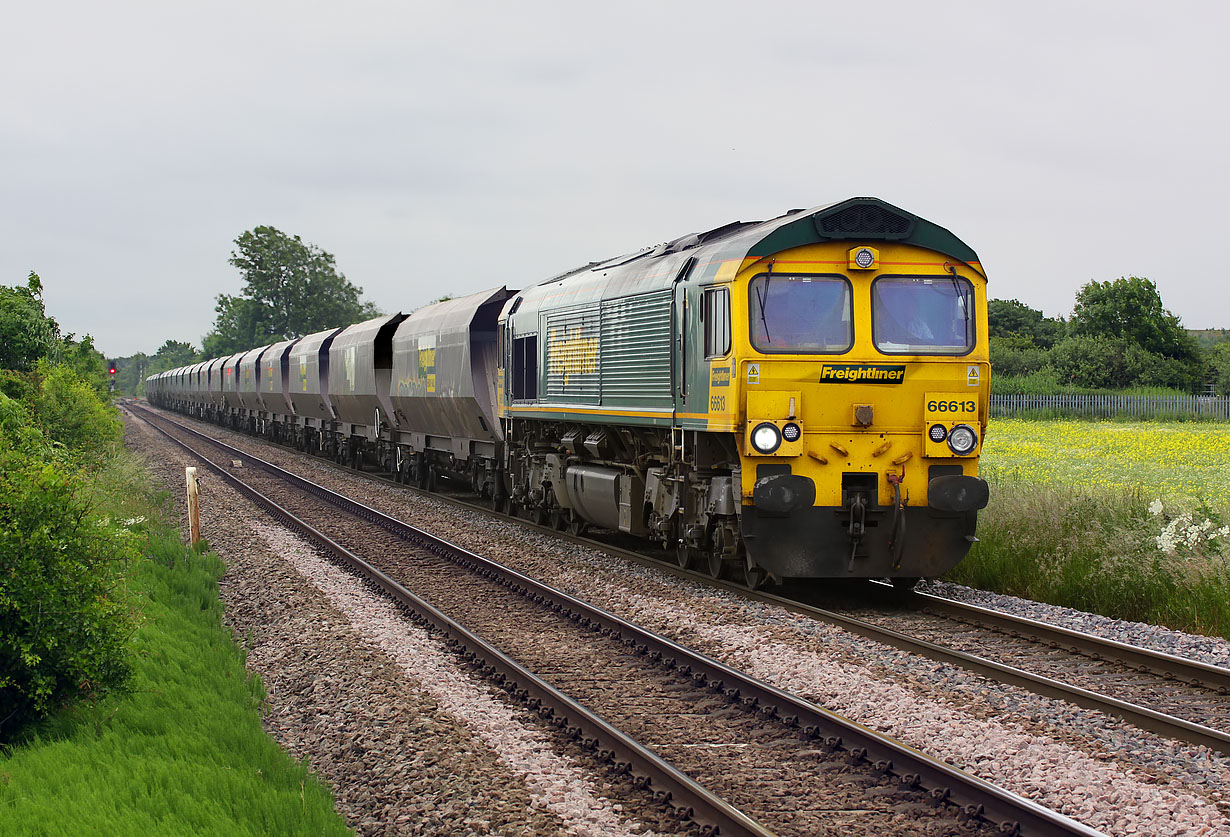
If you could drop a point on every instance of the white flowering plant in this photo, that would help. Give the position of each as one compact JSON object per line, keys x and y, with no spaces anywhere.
{"x":1181,"y":533}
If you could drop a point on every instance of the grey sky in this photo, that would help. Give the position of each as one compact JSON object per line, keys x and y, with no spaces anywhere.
{"x":450,"y":146}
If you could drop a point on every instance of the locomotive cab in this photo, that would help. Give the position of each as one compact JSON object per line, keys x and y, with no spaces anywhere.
{"x":862,"y":381}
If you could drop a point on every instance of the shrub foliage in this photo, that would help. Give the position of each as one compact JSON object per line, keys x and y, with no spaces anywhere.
{"x":64,"y":620}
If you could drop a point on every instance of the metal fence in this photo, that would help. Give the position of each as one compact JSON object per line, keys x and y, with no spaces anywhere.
{"x":1112,"y":406}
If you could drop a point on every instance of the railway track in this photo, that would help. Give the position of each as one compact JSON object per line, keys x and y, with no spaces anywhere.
{"x":706,"y":716}
{"x":1172,"y":696}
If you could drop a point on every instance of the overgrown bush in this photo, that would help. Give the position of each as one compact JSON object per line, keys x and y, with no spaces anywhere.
{"x":1016,"y":356}
{"x":1116,"y":363}
{"x":64,"y":619}
{"x":70,"y":412}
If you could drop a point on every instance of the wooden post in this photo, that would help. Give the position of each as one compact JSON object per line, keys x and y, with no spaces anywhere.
{"x":194,"y":514}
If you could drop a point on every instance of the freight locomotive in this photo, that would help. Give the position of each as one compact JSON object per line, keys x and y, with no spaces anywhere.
{"x":804,"y":397}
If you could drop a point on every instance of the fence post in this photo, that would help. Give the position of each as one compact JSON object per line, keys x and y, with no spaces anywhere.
{"x":194,"y":516}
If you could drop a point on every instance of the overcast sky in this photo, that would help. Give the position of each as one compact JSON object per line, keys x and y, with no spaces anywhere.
{"x":447,"y":147}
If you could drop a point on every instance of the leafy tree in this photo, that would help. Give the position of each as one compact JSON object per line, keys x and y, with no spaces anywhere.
{"x":85,"y":360}
{"x":131,"y":371}
{"x":173,"y":353}
{"x":26,"y":332}
{"x":236,"y":329}
{"x":1013,"y":318}
{"x":291,"y":288}
{"x":1219,"y":363}
{"x":1131,"y":307}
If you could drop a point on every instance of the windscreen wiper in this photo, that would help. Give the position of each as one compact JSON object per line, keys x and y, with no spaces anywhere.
{"x":960,"y":293}
{"x":762,"y":300}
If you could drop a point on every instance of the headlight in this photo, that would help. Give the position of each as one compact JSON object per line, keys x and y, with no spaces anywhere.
{"x":766,"y":438}
{"x":962,"y":439}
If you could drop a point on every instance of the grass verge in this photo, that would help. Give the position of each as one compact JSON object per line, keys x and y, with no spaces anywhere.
{"x":1113,"y":551}
{"x":183,"y":751}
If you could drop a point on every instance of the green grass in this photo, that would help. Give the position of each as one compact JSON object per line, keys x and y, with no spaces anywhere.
{"x":1070,"y":520}
{"x":183,"y":751}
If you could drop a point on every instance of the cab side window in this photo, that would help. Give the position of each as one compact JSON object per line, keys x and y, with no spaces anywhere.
{"x":715,"y":313}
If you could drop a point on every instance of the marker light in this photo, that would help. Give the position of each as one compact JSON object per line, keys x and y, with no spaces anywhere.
{"x":791,"y":432}
{"x":962,"y":439}
{"x":938,"y":433}
{"x":766,"y":438}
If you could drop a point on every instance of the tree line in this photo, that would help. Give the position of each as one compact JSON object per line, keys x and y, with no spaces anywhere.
{"x":1119,"y":336}
{"x":291,"y":288}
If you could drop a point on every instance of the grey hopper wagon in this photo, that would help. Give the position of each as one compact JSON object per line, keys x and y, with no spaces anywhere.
{"x":309,"y":377}
{"x":230,"y":381}
{"x":249,"y":380}
{"x":274,"y":381}
{"x":360,"y":374}
{"x":444,"y":372}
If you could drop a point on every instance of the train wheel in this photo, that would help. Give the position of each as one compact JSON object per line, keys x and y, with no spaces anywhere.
{"x":559,"y":520}
{"x":432,"y":479}
{"x":903,"y":586}
{"x":577,"y":525}
{"x":754,"y":577}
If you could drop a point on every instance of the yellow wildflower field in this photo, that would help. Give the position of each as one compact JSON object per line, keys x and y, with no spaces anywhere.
{"x":1171,"y":460}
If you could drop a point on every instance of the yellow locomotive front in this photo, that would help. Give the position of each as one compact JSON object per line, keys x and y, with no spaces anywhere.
{"x":859,"y":388}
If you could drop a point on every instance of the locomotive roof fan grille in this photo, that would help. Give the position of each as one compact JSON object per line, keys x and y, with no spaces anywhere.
{"x":863,"y":220}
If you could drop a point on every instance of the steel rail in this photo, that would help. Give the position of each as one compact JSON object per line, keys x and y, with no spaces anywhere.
{"x":974,"y":796}
{"x":1170,"y":666}
{"x":1141,"y":716}
{"x":688,"y":797}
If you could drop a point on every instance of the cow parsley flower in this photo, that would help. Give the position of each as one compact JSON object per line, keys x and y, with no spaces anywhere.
{"x":1183,"y":531}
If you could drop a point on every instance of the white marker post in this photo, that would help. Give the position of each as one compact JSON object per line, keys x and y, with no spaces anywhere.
{"x":194,"y":513}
